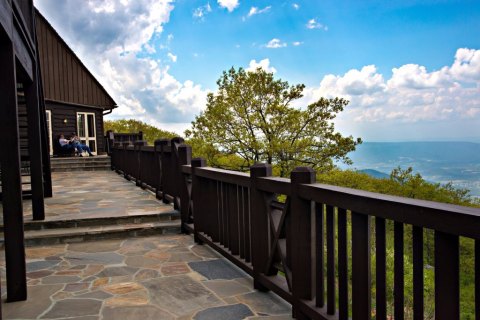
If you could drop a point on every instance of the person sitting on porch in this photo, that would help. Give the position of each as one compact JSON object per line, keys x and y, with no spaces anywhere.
{"x":75,"y":140}
{"x":70,"y":145}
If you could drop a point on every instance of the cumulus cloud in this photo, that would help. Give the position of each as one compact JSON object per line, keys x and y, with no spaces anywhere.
{"x":201,"y":12}
{"x":275,"y":44}
{"x":264,"y":64}
{"x":172,"y":57}
{"x":412,"y":94}
{"x":114,"y":39}
{"x":255,"y":10}
{"x":295,"y":6}
{"x":314,"y":24}
{"x":230,"y":5}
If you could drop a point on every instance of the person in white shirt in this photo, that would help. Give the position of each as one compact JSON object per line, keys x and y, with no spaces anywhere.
{"x":71,"y":144}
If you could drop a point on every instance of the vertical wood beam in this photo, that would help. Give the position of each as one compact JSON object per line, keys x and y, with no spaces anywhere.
{"x":35,"y":148}
{"x":259,"y":223}
{"x":301,"y":240}
{"x":11,"y":179}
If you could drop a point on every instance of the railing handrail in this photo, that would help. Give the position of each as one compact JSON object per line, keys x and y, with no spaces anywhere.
{"x":449,"y":218}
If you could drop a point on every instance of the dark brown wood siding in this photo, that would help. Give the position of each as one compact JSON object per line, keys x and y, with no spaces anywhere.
{"x":65,"y":78}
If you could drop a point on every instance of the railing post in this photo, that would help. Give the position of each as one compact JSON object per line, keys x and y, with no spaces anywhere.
{"x":259,"y":223}
{"x":184,"y":158}
{"x":114,"y":157}
{"x":175,"y":143}
{"x":196,"y":193}
{"x":160,"y":145}
{"x":301,"y":239}
{"x":124,"y":162}
{"x":138,"y":151}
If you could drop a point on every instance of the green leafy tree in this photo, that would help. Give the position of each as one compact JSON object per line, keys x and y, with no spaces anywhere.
{"x":251,"y":115}
{"x":150,"y":133}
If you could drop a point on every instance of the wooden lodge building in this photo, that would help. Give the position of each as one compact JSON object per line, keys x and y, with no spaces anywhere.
{"x":45,"y":90}
{"x":74,"y":100}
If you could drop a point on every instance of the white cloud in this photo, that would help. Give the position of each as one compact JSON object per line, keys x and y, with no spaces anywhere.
{"x":230,"y":5}
{"x":254,"y":10}
{"x":297,"y":43}
{"x":314,"y":24}
{"x":264,"y":64}
{"x":114,"y":38}
{"x":295,"y":6}
{"x":172,"y":57}
{"x":275,"y":44}
{"x":200,"y":12}
{"x":411,"y":95}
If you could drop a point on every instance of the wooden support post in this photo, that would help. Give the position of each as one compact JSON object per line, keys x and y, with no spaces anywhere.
{"x":124,"y":158}
{"x":160,"y":145}
{"x":11,"y":179}
{"x":174,"y":182}
{"x":184,"y":158}
{"x":259,"y":223}
{"x":197,"y":200}
{"x":138,"y":161}
{"x":35,"y":149}
{"x":303,"y":277}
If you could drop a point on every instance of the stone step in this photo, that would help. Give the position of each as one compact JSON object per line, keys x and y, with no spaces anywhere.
{"x":170,"y":215}
{"x":65,"y":164}
{"x":74,"y":235}
{"x":48,"y":232}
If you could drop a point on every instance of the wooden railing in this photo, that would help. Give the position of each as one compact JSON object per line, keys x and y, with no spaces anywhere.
{"x":312,"y":244}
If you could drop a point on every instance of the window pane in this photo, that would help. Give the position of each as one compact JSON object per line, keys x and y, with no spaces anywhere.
{"x":91,"y":125}
{"x":92,"y":145}
{"x":81,"y":125}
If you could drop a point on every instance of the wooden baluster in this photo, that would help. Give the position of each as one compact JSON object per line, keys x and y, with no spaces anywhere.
{"x":398,"y":272}
{"x":447,"y":289}
{"x":361,"y":273}
{"x":160,"y":145}
{"x":418,"y":307}
{"x":342,"y":265}
{"x":319,"y":252}
{"x":331,"y":308}
{"x":380,"y":270}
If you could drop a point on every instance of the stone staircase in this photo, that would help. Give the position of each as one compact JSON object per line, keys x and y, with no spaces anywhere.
{"x":67,"y":164}
{"x":50,"y":232}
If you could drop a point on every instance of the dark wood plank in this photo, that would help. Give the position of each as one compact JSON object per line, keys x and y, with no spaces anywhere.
{"x":301,"y":239}
{"x":319,"y":252}
{"x":398,"y":272}
{"x":35,"y":148}
{"x":11,"y":179}
{"x":241,"y":221}
{"x":477,"y":279}
{"x":233,"y":219}
{"x":247,"y":219}
{"x":418,"y":282}
{"x":331,"y":292}
{"x":361,"y":272}
{"x":259,"y":223}
{"x":380,"y":270}
{"x":447,"y":269}
{"x":342,"y":265}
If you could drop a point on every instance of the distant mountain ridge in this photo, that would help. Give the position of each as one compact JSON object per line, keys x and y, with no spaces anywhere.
{"x":458,"y":162}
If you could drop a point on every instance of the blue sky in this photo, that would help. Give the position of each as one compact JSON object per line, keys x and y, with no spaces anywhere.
{"x":411,"y":69}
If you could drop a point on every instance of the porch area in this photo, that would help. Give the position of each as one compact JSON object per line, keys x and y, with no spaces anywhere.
{"x":110,"y":250}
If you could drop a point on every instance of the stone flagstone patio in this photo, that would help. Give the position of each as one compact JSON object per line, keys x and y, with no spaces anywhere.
{"x":164,"y":277}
